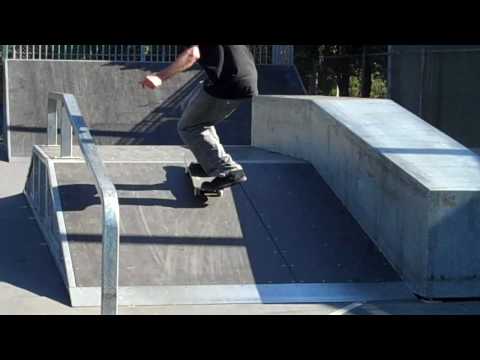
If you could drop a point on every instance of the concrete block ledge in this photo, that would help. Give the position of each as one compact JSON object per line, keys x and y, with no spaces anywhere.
{"x":414,"y":190}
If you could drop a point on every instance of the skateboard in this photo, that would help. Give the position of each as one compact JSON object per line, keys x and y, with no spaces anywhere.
{"x":198,"y":177}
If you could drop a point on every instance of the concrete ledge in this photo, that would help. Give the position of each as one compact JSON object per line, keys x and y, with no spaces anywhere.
{"x":413,"y":189}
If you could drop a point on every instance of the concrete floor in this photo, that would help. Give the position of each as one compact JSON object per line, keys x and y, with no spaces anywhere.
{"x":16,"y":301}
{"x":31,"y":285}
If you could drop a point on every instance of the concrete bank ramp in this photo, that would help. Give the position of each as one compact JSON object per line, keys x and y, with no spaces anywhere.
{"x":282,"y":237}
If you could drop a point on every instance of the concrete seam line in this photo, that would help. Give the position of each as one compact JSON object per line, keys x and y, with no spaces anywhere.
{"x":346,"y":309}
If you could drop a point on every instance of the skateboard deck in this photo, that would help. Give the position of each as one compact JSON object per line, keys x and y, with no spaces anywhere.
{"x":198,"y":177}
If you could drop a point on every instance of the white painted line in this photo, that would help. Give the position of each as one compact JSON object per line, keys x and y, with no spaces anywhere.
{"x":346,"y":309}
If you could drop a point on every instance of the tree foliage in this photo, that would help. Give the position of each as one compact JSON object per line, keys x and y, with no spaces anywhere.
{"x":344,"y":70}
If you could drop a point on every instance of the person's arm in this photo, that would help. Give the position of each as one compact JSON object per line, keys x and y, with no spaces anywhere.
{"x":183,"y":62}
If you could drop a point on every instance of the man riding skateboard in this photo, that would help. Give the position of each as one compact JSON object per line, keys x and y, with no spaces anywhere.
{"x":232,"y":79}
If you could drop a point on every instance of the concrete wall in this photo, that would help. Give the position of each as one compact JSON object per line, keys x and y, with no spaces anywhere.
{"x":414,"y":190}
{"x":445,"y":93}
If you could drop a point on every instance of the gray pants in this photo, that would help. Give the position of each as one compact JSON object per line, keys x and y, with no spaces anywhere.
{"x":197,"y":130}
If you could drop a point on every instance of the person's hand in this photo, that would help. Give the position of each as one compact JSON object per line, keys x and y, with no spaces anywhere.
{"x":151,"y":81}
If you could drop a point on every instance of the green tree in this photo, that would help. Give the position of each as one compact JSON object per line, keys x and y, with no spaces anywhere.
{"x":336,"y":61}
{"x":350,"y":68}
{"x":306,"y":60}
{"x":370,"y":65}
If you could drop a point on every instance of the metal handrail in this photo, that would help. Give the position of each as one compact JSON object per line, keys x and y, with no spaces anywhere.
{"x":57,"y":102}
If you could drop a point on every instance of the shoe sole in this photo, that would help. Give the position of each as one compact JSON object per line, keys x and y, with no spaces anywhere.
{"x":241,"y":180}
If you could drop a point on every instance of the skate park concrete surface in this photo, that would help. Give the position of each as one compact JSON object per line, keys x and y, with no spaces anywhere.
{"x":283,"y":227}
{"x":30,"y":282}
{"x":413,"y":189}
{"x":116,"y":108}
{"x":296,"y":238}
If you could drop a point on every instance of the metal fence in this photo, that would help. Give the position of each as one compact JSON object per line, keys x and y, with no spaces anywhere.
{"x":264,"y":54}
{"x":436,"y":82}
{"x":439,"y":84}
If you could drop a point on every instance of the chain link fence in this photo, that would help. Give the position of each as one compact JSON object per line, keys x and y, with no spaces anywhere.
{"x":264,"y":54}
{"x":435,"y":82}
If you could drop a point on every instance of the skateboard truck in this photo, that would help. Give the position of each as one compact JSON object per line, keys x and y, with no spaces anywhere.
{"x":198,"y":177}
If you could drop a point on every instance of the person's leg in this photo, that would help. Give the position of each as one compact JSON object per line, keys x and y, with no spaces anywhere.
{"x":197,"y":130}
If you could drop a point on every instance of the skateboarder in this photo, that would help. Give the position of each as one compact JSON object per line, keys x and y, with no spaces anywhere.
{"x":232,"y":79}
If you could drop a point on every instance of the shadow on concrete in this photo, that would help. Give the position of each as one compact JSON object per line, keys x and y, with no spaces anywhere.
{"x":155,"y":126}
{"x":160,"y":126}
{"x":25,"y":260}
{"x":299,"y":227}
{"x":78,"y":197}
{"x":28,"y":129}
{"x":162,"y":240}
{"x":311,"y":228}
{"x":143,"y":66}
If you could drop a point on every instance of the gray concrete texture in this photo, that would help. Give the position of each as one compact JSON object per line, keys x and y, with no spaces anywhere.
{"x":165,"y":154}
{"x":171,"y":238}
{"x":27,"y":269}
{"x":115,"y":107}
{"x":445,"y":93}
{"x":30,"y":283}
{"x":413,"y":189}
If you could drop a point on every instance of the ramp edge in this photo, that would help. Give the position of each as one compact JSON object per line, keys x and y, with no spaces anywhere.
{"x":247,"y":294}
{"x":57,"y":240}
